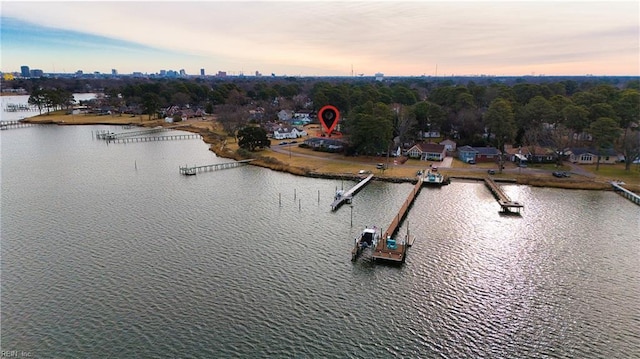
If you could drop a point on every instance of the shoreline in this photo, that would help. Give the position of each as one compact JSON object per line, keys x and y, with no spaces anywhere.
{"x":218,"y":144}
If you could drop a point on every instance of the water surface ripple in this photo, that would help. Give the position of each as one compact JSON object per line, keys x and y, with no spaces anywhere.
{"x":107,"y":251}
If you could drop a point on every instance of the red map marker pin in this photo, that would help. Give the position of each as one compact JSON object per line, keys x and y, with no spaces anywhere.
{"x":329,"y":117}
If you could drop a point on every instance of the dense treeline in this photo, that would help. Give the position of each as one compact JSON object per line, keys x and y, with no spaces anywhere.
{"x":599,"y":112}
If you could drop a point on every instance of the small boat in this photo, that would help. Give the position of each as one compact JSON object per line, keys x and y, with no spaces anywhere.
{"x":190,"y":172}
{"x":367,"y":239}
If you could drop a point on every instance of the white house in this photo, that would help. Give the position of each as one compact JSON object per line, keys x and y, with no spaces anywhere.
{"x":585,"y":156}
{"x":288,"y":132}
{"x":427,"y":152}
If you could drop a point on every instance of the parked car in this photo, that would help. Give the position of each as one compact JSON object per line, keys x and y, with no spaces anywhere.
{"x":284,"y":142}
{"x":471,"y":162}
{"x":560,"y":174}
{"x":491,"y":171}
{"x":294,"y":141}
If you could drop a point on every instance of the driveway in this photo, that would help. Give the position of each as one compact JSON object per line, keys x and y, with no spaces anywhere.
{"x":446,"y":163}
{"x":577,"y":169}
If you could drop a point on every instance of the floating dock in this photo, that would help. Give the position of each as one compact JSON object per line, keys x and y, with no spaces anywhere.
{"x":433,"y":178}
{"x":189,"y":171}
{"x":505,"y":202}
{"x":390,"y":249}
{"x":347,"y":196}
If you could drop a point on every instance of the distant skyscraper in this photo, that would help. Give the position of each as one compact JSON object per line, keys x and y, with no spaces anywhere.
{"x":183,"y":72}
{"x":201,"y":72}
{"x":24,"y":71}
{"x":36,"y":73}
{"x":114,"y":72}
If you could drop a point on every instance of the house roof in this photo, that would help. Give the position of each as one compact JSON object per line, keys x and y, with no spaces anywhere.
{"x":447,"y":142}
{"x":430,"y":147}
{"x":466,"y":149}
{"x":517,"y":150}
{"x":604,"y":152}
{"x":487,"y":151}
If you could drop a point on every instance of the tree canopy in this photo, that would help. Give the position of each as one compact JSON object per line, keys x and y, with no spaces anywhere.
{"x":252,"y":138}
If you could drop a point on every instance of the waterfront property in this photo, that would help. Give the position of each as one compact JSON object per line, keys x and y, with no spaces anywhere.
{"x":478,"y":154}
{"x":427,"y":151}
{"x":587,"y":156}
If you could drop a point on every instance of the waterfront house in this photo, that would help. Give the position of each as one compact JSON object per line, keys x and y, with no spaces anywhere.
{"x":487,"y":154}
{"x":427,"y":151}
{"x":478,"y":154}
{"x":467,"y":154}
{"x":587,"y":156}
{"x":324,"y":144}
{"x":531,"y":154}
{"x":539,"y":154}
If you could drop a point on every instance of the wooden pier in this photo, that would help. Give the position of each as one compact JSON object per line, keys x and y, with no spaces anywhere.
{"x":155,"y":138}
{"x":625,"y":193}
{"x":189,"y":171}
{"x":390,"y":249}
{"x":112,"y":136}
{"x":347,"y":196}
{"x":19,"y":107}
{"x":505,"y":202}
{"x":5,"y":125}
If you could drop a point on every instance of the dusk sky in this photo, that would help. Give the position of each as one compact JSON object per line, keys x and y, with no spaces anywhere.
{"x":319,"y":38}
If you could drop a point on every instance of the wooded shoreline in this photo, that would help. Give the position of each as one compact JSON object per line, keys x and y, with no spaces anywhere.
{"x":219,"y":144}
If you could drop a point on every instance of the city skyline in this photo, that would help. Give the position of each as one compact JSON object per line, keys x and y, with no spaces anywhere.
{"x":504,"y":38}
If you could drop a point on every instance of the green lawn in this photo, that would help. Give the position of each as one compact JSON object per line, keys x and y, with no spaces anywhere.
{"x":616,"y":172}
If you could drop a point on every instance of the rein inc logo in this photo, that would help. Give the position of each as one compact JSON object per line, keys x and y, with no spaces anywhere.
{"x":15,"y":354}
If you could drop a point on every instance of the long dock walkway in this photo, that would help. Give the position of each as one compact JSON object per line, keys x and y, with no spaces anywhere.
{"x":155,"y":138}
{"x":112,"y":136}
{"x":347,"y":196}
{"x":388,"y":248}
{"x":187,"y":171}
{"x":5,"y":125}
{"x":505,"y":202}
{"x":625,"y":193}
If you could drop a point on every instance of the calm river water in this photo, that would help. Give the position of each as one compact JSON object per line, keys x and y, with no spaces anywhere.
{"x":108,"y":252}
